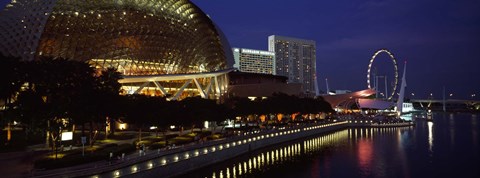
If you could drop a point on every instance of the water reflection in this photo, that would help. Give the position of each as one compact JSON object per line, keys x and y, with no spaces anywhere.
{"x":361,"y":137}
{"x":282,"y":155}
{"x":474,"y":133}
{"x":451,"y":125}
{"x":430,"y":136}
{"x":369,"y":152}
{"x":365,"y":154}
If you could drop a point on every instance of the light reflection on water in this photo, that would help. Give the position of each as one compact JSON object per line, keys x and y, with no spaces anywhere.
{"x":278,"y":156}
{"x":430,"y":136}
{"x":475,"y":132}
{"x":424,"y":150}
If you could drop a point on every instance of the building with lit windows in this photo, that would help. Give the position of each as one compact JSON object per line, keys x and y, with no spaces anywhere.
{"x":254,"y":61}
{"x":296,"y":59}
{"x":162,"y":47}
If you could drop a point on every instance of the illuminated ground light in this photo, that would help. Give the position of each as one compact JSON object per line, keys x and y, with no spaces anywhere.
{"x":116,"y":174}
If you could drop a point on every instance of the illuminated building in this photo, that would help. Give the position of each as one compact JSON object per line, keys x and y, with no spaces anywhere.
{"x":295,"y":59}
{"x":162,"y":47}
{"x":254,"y":61}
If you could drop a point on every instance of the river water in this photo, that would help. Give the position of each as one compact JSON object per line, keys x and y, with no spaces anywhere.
{"x":446,"y":147}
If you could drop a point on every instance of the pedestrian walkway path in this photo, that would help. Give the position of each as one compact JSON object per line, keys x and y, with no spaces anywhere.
{"x":21,"y":163}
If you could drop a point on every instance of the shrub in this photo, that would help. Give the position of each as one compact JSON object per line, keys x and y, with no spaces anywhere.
{"x":76,"y":159}
{"x":214,"y":137}
{"x":180,"y":140}
{"x":157,"y":145}
{"x":169,"y":136}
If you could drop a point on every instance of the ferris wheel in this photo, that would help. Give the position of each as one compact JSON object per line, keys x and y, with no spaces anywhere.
{"x":395,"y":82}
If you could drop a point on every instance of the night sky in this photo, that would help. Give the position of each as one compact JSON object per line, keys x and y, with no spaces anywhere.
{"x":440,"y":39}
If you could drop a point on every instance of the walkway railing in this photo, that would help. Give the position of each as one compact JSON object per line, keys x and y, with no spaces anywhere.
{"x":135,"y":163}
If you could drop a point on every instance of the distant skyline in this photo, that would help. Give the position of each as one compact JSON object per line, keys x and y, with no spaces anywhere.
{"x":440,"y":39}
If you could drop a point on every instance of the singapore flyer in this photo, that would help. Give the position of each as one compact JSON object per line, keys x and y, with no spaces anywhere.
{"x":375,"y":77}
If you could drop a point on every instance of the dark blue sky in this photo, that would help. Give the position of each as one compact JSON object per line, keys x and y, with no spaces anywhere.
{"x":439,"y":38}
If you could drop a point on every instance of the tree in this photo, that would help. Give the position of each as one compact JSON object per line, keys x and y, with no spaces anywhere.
{"x":30,"y":110}
{"x":140,"y":111}
{"x":198,"y":110}
{"x":10,"y":82}
{"x":12,"y":78}
{"x":109,"y":89}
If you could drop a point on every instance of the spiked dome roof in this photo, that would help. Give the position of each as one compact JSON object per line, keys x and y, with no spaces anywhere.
{"x":138,"y":37}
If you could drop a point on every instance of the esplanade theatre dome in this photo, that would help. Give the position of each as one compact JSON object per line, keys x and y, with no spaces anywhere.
{"x":162,"y":47}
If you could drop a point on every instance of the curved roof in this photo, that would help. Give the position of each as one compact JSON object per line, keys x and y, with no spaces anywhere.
{"x":335,"y":100}
{"x":374,"y":104}
{"x":150,"y":37}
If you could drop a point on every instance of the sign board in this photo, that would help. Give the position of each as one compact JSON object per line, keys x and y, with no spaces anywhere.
{"x":67,"y":136}
{"x":84,"y":140}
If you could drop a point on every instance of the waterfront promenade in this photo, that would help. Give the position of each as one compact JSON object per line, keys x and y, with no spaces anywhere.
{"x":175,"y":161}
{"x":184,"y":158}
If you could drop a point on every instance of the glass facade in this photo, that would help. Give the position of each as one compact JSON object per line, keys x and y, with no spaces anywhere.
{"x":162,"y":47}
{"x":148,"y":37}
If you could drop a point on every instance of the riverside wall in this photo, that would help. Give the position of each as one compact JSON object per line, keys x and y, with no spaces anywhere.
{"x":197,"y":156}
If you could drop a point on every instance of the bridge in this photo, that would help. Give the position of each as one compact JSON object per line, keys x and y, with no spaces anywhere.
{"x":450,"y":104}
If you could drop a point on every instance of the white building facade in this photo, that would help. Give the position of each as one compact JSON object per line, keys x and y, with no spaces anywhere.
{"x":254,"y":61}
{"x":296,"y":59}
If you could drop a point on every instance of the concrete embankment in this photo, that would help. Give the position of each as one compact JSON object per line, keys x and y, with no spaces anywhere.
{"x":370,"y":124}
{"x":197,"y":156}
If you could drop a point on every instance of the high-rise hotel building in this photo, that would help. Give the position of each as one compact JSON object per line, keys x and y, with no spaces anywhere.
{"x":254,"y":61}
{"x":295,"y":59}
